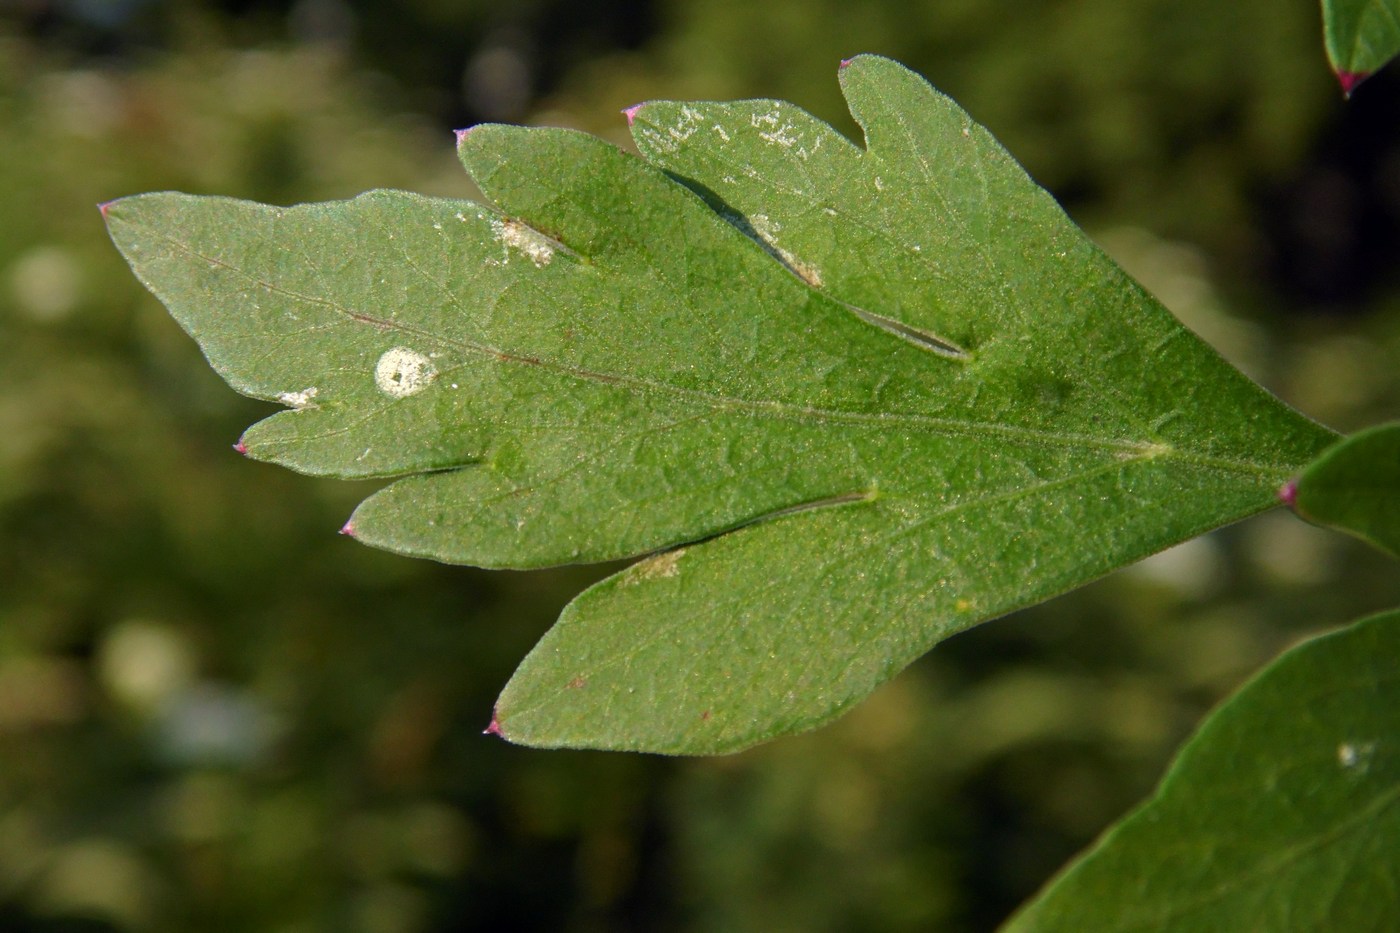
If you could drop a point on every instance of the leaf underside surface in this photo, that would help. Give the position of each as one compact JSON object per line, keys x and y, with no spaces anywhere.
{"x":845,"y":401}
{"x":1279,"y":814}
{"x":1355,"y":487}
{"x":1361,"y":36}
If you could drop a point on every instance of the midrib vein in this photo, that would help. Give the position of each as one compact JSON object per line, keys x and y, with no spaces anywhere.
{"x":758,"y":407}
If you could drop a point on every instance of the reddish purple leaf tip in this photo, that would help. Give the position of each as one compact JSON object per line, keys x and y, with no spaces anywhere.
{"x":494,"y":728}
{"x":103,"y":208}
{"x":631,"y":112}
{"x":1350,"y":79}
{"x":845,"y":63}
{"x":241,"y":448}
{"x":463,"y":133}
{"x":348,"y":529}
{"x":1288,"y":493}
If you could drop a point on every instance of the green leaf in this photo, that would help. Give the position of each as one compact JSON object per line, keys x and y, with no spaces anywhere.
{"x":1362,"y":35}
{"x":916,"y":398}
{"x":1355,"y":487}
{"x":1279,"y":814}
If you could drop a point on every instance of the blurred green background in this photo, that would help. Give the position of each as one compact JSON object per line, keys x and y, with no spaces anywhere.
{"x":216,"y":714}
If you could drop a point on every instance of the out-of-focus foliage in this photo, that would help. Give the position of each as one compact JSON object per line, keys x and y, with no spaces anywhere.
{"x":216,"y":714}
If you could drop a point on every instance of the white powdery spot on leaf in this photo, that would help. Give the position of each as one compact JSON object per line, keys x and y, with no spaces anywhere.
{"x":767,"y":231}
{"x":775,"y":131}
{"x":402,"y":372}
{"x":805,"y":270}
{"x":299,"y":400}
{"x":765,"y":227}
{"x":670,"y":138}
{"x":666,"y":564}
{"x":521,"y":237}
{"x":685,"y":126}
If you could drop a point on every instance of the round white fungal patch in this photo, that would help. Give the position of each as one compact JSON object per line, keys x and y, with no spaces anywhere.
{"x":402,"y":372}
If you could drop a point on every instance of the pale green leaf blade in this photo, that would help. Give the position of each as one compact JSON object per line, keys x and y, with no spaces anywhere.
{"x":1361,"y":36}
{"x":862,"y":449}
{"x":1355,"y":487}
{"x":1279,"y":814}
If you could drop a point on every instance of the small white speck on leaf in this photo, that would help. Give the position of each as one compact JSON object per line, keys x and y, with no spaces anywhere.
{"x":402,"y":372}
{"x":299,"y":400}
{"x":1356,"y":755}
{"x":519,"y":236}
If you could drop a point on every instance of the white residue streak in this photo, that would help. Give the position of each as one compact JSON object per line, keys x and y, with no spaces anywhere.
{"x":518,"y":236}
{"x":765,"y":227}
{"x":767,"y":230}
{"x":805,"y":270}
{"x":299,"y":400}
{"x":665,"y":564}
{"x":402,"y":372}
{"x":675,"y":134}
{"x":775,"y":131}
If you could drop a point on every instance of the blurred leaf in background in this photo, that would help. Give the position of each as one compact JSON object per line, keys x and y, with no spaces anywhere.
{"x":216,"y":714}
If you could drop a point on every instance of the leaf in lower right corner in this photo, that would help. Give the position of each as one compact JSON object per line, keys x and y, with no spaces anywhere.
{"x":1362,"y":35}
{"x":1355,"y":487}
{"x":1281,"y":813}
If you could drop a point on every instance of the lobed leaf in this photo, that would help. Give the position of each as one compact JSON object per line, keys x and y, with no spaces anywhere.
{"x":1361,"y":36}
{"x":849,"y":400}
{"x":1279,"y":814}
{"x":1355,"y":487}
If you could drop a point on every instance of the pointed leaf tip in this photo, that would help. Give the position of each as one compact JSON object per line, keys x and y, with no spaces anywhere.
{"x":494,"y":728}
{"x":348,"y":529}
{"x":463,"y":133}
{"x":103,"y":208}
{"x":1350,"y":79}
{"x":845,"y":63}
{"x":241,"y":447}
{"x":1288,"y":493}
{"x":631,"y":112}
